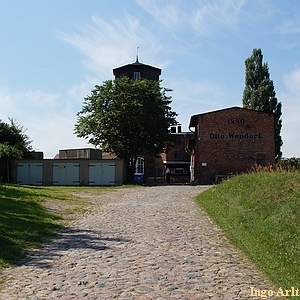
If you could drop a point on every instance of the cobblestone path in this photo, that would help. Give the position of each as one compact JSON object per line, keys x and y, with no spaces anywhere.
{"x":141,"y":243}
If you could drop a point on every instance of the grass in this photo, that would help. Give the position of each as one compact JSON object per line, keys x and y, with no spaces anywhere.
{"x":30,"y":216}
{"x":260,"y":213}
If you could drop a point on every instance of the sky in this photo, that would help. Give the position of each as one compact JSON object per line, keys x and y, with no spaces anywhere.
{"x":53,"y":53}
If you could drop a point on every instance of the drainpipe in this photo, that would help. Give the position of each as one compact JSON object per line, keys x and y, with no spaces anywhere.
{"x":194,"y":163}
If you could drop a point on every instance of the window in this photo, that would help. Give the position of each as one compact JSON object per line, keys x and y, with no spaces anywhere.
{"x":139,"y":165}
{"x":173,"y":129}
{"x":261,"y":159}
{"x":136,"y":75}
{"x":181,"y":171}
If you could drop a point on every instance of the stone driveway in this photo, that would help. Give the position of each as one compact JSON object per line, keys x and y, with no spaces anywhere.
{"x":140,"y":243}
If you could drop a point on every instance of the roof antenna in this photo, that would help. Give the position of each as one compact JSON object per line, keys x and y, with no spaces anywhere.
{"x":137,"y":54}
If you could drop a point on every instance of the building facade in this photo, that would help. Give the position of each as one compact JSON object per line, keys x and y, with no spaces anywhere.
{"x":171,"y":166}
{"x":177,"y":158}
{"x":230,"y":141}
{"x":70,"y":167}
{"x":68,"y":172}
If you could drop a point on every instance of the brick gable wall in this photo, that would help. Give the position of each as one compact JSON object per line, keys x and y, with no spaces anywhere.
{"x":231,"y":141}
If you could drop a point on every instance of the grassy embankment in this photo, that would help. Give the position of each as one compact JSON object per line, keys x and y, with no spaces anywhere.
{"x":260,"y":214}
{"x":30,"y":216}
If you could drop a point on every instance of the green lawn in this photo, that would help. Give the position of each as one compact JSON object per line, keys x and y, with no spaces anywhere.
{"x":260,"y":213}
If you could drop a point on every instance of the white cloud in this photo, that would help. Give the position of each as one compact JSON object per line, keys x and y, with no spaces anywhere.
{"x":288,"y":31}
{"x":107,"y":44}
{"x":79,"y":91}
{"x":37,"y":99}
{"x":168,"y":14}
{"x":24,"y":103}
{"x":54,"y":132}
{"x":203,"y":16}
{"x":212,"y":16}
{"x":48,"y":118}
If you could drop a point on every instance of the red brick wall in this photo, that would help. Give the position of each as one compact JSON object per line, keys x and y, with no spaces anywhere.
{"x":155,"y":166}
{"x":178,"y":149}
{"x":231,"y":141}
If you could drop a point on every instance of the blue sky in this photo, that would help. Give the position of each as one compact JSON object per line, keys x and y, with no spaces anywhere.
{"x":52,"y":54}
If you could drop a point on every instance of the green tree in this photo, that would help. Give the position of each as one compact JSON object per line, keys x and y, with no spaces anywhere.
{"x":259,"y":94}
{"x":128,"y":118}
{"x":14,"y":144}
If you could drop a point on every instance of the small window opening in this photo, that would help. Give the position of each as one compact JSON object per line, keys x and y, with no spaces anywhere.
{"x":136,"y":75}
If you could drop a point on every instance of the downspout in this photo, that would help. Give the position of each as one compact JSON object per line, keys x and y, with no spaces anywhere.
{"x":186,"y":149}
{"x":192,"y":163}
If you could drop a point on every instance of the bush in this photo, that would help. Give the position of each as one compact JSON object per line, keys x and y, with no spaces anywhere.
{"x":289,"y":164}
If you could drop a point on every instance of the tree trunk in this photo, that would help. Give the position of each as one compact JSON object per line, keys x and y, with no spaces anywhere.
{"x":129,"y":164}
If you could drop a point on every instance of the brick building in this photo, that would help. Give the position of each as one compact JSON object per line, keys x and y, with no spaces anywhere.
{"x":175,"y":159}
{"x":230,"y":141}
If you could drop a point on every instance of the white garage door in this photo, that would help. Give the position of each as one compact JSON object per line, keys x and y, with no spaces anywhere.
{"x":65,"y":173}
{"x":30,"y":173}
{"x":102,"y":174}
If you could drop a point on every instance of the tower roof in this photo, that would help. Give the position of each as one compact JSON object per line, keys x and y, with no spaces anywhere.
{"x":137,"y":61}
{"x":146,"y":71}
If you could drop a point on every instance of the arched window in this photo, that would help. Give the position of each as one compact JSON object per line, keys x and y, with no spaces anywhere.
{"x":140,"y":165}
